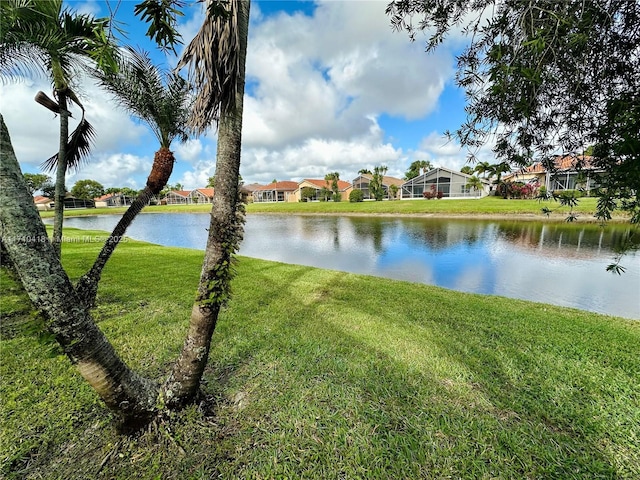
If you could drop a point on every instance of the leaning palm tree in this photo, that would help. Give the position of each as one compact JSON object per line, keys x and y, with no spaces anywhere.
{"x":42,"y":37}
{"x":216,"y":59}
{"x":163,"y":101}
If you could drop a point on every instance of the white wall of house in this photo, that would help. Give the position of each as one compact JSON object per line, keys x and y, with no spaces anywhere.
{"x":450,"y":183}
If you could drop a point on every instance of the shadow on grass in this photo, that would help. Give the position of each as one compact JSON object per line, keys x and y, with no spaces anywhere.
{"x":483,"y":403}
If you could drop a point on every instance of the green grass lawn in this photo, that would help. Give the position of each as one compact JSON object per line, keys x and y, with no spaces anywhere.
{"x":325,"y":375}
{"x":494,"y":206}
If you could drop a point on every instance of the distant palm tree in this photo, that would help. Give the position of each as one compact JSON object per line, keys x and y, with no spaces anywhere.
{"x":475,"y":183}
{"x":425,"y":165}
{"x":163,"y":101}
{"x":42,"y":37}
{"x":332,"y":181}
{"x":483,"y":168}
{"x":497,"y":170}
{"x":364,"y":171}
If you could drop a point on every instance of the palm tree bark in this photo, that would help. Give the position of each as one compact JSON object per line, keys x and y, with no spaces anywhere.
{"x":87,"y":286}
{"x":61,"y":171}
{"x":130,"y":396}
{"x":225,"y":231}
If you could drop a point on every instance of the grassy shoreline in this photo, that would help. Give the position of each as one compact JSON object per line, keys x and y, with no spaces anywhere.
{"x":488,"y":207}
{"x":321,"y":374}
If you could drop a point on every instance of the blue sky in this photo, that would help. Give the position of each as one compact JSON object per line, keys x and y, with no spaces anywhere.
{"x":330,"y":87}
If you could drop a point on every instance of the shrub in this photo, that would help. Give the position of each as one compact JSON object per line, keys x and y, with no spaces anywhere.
{"x":429,"y":194}
{"x":517,"y":190}
{"x":356,"y":196}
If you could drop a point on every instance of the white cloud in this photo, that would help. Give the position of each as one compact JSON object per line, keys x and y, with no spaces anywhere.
{"x":189,"y":151}
{"x":88,"y":7}
{"x":316,"y":156}
{"x":442,"y":152}
{"x":323,"y":76}
{"x":121,"y":170}
{"x":198,"y":177}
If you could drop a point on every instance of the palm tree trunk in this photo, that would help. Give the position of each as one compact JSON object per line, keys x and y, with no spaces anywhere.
{"x":225,"y":231}
{"x":61,"y":171}
{"x":131,"y":397}
{"x":87,"y":287}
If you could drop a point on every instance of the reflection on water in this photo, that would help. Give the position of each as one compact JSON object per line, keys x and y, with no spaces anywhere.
{"x":555,"y":263}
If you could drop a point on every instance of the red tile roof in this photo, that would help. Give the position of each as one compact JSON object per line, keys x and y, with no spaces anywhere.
{"x":562,"y":163}
{"x":41,"y":199}
{"x":104,"y":197}
{"x":208,"y":192}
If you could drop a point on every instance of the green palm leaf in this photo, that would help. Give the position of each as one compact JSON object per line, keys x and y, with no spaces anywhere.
{"x":78,"y":148}
{"x":158,"y":97}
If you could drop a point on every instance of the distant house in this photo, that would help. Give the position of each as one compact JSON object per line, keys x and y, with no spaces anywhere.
{"x":362,"y":183}
{"x":563,"y":172}
{"x":318,"y":184}
{"x":113,"y":200}
{"x":177,"y":197}
{"x":72,"y":202}
{"x":201,"y":195}
{"x":43,"y":203}
{"x":275,"y":192}
{"x":249,"y":189}
{"x":449,"y":183}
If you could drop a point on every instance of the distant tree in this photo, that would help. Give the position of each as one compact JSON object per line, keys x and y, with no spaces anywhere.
{"x":364,"y":171}
{"x":274,"y":181}
{"x":35,"y":181}
{"x":48,"y":189}
{"x":497,"y":169}
{"x":307,"y":193}
{"x":416,"y":168}
{"x":211,"y":182}
{"x":376,"y":188}
{"x":87,"y":189}
{"x":467,"y":169}
{"x":483,"y":168}
{"x":332,"y":180}
{"x":324,"y":194}
{"x":475,"y":183}
{"x":393,"y":191}
{"x":356,"y":195}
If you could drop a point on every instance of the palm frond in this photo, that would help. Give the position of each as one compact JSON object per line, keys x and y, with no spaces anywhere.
{"x":158,"y":97}
{"x":78,"y":148}
{"x":214,"y":64}
{"x":36,"y":35}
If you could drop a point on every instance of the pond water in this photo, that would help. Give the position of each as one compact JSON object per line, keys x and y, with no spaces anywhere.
{"x":558,"y":263}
